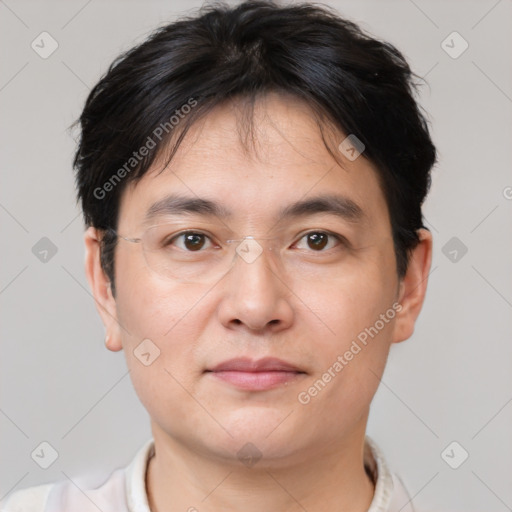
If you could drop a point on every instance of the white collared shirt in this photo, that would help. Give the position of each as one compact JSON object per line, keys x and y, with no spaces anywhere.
{"x":125,"y":489}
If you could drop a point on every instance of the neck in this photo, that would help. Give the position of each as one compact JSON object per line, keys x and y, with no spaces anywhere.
{"x":329,"y":481}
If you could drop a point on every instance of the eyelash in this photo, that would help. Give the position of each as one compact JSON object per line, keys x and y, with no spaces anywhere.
{"x":339,"y":238}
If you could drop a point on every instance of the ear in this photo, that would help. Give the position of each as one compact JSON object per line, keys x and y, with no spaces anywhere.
{"x":413,"y":287}
{"x":101,"y":289}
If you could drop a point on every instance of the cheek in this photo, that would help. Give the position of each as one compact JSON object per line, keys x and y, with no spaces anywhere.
{"x":351,"y":327}
{"x":361,"y":313}
{"x":351,"y":302}
{"x":350,"y":361}
{"x":147,"y":305}
{"x":151,"y":309}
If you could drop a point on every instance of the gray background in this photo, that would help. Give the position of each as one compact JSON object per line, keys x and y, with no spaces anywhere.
{"x":452,"y":381}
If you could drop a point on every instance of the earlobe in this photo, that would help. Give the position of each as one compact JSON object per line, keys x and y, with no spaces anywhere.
{"x":101,"y":289}
{"x":413,"y":287}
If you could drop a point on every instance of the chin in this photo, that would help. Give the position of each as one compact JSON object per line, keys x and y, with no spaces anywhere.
{"x":266,"y":432}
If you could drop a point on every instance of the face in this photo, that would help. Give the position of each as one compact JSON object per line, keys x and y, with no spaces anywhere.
{"x":323,"y":297}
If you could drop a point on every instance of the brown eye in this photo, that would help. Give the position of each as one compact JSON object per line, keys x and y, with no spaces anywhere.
{"x":194,"y":241}
{"x":190,"y":241}
{"x":317,"y":240}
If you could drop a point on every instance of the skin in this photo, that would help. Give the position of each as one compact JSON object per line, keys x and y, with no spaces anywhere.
{"x":312,"y":455}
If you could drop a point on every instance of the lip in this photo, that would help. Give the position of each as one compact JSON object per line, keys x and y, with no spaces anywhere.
{"x":245,"y":364}
{"x":256,"y":375}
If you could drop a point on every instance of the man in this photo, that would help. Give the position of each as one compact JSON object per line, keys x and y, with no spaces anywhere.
{"x":252,"y":180}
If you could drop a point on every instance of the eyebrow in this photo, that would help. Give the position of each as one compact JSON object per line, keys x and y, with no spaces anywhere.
{"x":338,"y":205}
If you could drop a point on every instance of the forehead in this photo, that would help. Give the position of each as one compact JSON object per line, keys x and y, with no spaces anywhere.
{"x":257,"y":170}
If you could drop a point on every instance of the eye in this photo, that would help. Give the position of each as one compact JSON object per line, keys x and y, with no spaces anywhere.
{"x":191,"y":241}
{"x":318,"y":240}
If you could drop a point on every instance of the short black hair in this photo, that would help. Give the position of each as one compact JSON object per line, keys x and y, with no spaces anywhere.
{"x":351,"y":80}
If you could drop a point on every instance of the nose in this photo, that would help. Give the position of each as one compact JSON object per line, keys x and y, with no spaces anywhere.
{"x":255,"y":293}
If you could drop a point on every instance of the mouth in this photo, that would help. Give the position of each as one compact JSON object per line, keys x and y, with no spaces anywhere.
{"x":256,"y":375}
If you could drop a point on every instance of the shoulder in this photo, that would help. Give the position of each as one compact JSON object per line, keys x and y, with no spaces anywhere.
{"x":123,"y":490}
{"x":70,"y":496}
{"x":32,"y":499}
